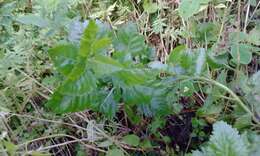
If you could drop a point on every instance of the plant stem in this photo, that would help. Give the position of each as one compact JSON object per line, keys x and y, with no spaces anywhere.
{"x":236,"y":98}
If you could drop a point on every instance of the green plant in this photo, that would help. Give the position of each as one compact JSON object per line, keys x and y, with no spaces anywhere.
{"x":152,"y":86}
{"x":224,"y":141}
{"x":94,"y":79}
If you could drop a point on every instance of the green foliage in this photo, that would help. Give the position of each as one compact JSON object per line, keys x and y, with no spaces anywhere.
{"x":64,"y":58}
{"x":189,"y":7}
{"x":131,"y":139}
{"x":115,"y":152}
{"x":241,"y":53}
{"x":225,"y":140}
{"x":150,"y":7}
{"x":33,"y":20}
{"x":85,"y":68}
{"x":195,"y":63}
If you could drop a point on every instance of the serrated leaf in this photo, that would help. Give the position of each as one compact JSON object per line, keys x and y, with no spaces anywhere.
{"x":88,"y":38}
{"x":225,"y":140}
{"x":75,"y":95}
{"x":101,"y":44}
{"x":64,"y":57}
{"x":88,"y":84}
{"x":104,"y":65}
{"x":131,"y":139}
{"x":129,"y":41}
{"x":109,"y":106}
{"x":132,"y":77}
{"x":137,"y":95}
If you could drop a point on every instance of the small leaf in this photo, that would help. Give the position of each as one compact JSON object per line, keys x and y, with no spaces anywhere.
{"x":241,"y":53}
{"x":146,"y":144}
{"x":186,"y":60}
{"x":176,"y":54}
{"x":115,"y":152}
{"x":150,"y":7}
{"x":188,"y":8}
{"x":131,"y":139}
{"x":254,"y":36}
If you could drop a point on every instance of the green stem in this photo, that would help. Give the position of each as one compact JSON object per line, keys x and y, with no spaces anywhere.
{"x":236,"y":98}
